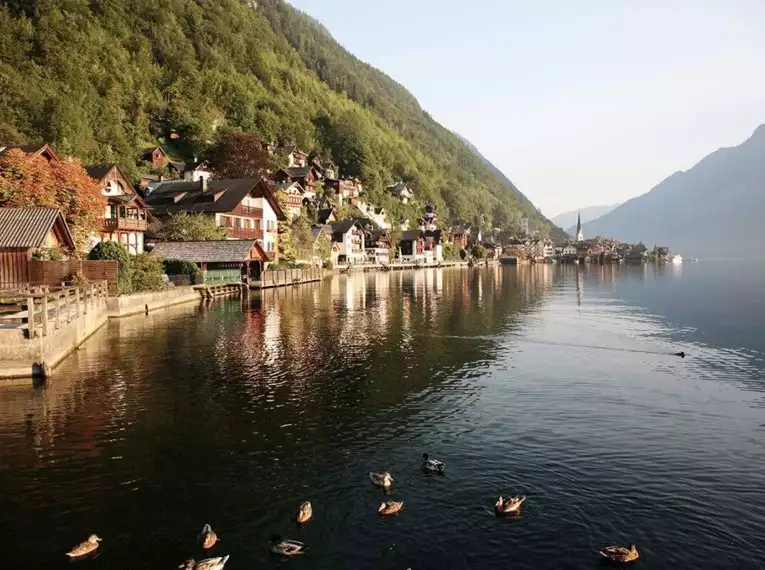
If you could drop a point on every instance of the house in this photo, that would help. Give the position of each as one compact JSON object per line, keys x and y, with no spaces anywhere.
{"x":377,"y":245}
{"x":459,"y":236}
{"x":661,"y":253}
{"x":125,"y":218}
{"x":221,"y":261}
{"x":569,"y":250}
{"x":377,"y":215}
{"x":24,"y":232}
{"x":293,"y":194}
{"x":156,"y":156}
{"x":191,"y":170}
{"x":344,"y":190}
{"x":306,"y":176}
{"x":296,"y":158}
{"x":493,"y":250}
{"x":548,"y":249}
{"x":44,"y":150}
{"x":349,"y":235}
{"x":430,"y":218}
{"x":246,"y":207}
{"x":401,"y":191}
{"x":433,"y":248}
{"x":326,"y":216}
{"x":411,"y":246}
{"x":328,"y":169}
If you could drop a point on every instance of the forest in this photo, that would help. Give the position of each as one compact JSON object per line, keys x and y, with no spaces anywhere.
{"x":103,"y":79}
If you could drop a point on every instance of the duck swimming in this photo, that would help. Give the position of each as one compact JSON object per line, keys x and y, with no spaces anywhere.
{"x":208,"y":564}
{"x":285,"y":546}
{"x":383,"y":480}
{"x":620,"y":553}
{"x":390,"y":508}
{"x":207,"y":537}
{"x":509,"y":505}
{"x":304,"y":513}
{"x":84,"y":547}
{"x":432,"y":465}
{"x":680,"y":354}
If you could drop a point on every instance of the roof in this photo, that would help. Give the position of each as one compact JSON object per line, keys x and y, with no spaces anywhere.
{"x":299,"y":171}
{"x":98,"y":171}
{"x":317,"y":231}
{"x":398,"y":188}
{"x":323,"y":215}
{"x":213,"y":251}
{"x":173,"y":196}
{"x":343,"y":226}
{"x":434,"y":234}
{"x":410,"y":235}
{"x":30,"y":149}
{"x":27,"y":227}
{"x":287,"y":185}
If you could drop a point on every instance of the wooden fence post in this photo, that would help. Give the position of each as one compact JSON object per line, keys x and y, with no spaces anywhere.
{"x":31,"y":316}
{"x":44,"y":309}
{"x":77,"y":301}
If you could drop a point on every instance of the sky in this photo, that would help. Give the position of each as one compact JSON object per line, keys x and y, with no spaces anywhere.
{"x":579,"y":103}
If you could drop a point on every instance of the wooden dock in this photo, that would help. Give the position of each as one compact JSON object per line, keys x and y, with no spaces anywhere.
{"x":288,"y":277}
{"x":219,"y":289}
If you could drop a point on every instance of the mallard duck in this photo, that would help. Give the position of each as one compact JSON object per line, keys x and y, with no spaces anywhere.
{"x":207,"y":537}
{"x":304,"y":513}
{"x":390,"y":508}
{"x":208,"y":564}
{"x":620,"y":553}
{"x":84,"y":547}
{"x":383,"y":480}
{"x":432,"y":465}
{"x":286,"y":547}
{"x":509,"y":505}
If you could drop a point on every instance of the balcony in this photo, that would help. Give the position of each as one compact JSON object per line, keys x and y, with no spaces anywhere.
{"x":125,"y":224}
{"x":249,"y":211}
{"x":244,"y":233}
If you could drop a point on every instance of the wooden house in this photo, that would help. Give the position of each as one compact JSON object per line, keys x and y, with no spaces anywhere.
{"x":221,"y":261}
{"x":44,"y":150}
{"x":156,"y":156}
{"x":294,"y":196}
{"x":247,"y":208}
{"x":126,"y":216}
{"x":306,"y":176}
{"x":24,"y":232}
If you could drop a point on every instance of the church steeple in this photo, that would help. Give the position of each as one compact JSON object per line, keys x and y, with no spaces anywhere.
{"x":579,"y":234}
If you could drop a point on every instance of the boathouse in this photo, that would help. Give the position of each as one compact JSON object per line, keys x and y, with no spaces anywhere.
{"x":221,"y":261}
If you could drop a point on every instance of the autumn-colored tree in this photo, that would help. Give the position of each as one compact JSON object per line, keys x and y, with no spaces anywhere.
{"x":238,"y":155}
{"x":33,"y":181}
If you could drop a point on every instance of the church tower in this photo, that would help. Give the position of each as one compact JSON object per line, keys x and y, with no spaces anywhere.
{"x":579,"y":234}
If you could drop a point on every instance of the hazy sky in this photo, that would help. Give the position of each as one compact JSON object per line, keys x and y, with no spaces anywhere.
{"x":580,"y":102}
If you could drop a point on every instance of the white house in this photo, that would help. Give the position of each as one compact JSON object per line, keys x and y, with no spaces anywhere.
{"x":401,"y":191}
{"x":569,"y":249}
{"x":349,"y":236}
{"x":377,"y":215}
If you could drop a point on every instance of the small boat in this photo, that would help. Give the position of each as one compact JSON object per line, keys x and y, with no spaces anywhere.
{"x":677,"y":259}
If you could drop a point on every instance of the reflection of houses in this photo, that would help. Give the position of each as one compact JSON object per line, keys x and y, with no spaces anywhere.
{"x":25,"y":231}
{"x":125,"y":217}
{"x":221,"y":261}
{"x":349,"y":236}
{"x":247,"y":208}
{"x":401,"y":191}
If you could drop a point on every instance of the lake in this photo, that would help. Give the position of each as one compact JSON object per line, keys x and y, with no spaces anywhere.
{"x":555,"y":382}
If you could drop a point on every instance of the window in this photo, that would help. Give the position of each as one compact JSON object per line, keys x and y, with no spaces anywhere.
{"x":257,"y":224}
{"x":237,"y":223}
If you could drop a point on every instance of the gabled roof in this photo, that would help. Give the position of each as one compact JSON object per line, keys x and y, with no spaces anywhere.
{"x":213,"y":251}
{"x":344,"y":226}
{"x":98,"y":171}
{"x":435,"y":235}
{"x":323,"y":215}
{"x":299,"y":171}
{"x":151,"y":149}
{"x":287,"y":185}
{"x":316,"y":231}
{"x":35,"y":149}
{"x":399,"y":188}
{"x":27,"y":227}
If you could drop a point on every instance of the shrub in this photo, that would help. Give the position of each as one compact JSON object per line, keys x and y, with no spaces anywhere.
{"x":118,"y":252}
{"x":147,"y":273}
{"x":478,"y":251}
{"x":178,"y":267}
{"x":48,"y":254}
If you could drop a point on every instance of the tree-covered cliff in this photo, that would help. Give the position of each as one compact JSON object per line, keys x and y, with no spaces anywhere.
{"x":102,"y":79}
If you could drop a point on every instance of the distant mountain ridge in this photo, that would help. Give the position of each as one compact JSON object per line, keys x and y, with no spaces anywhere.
{"x":715,"y":209}
{"x":567,"y":220}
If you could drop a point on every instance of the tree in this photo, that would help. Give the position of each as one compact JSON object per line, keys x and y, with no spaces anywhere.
{"x":478,"y":251}
{"x":191,"y":227}
{"x":118,"y":252}
{"x":302,"y":238}
{"x":323,"y":247}
{"x":238,"y":155}
{"x":33,"y":181}
{"x":147,"y":273}
{"x":287,"y":252}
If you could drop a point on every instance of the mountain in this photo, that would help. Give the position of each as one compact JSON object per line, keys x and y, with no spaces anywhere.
{"x":715,"y":209}
{"x":104,"y":79}
{"x":567,"y":220}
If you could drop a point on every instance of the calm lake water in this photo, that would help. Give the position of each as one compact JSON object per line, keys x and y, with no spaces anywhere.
{"x":555,"y":382}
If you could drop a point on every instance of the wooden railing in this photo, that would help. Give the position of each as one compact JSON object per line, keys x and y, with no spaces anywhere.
{"x":111,"y":224}
{"x":243,"y":233}
{"x":281,"y":277}
{"x":47,"y":312}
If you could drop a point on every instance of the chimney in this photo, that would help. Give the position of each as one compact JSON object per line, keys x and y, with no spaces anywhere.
{"x":203,"y":183}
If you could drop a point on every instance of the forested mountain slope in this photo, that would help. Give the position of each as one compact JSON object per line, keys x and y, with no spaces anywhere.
{"x":103,"y":79}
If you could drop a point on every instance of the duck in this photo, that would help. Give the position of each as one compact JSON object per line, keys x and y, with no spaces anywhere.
{"x":304,"y":513}
{"x":681,"y":354}
{"x":432,"y":465}
{"x":509,"y":505}
{"x":390,"y":508}
{"x":84,"y":547}
{"x":286,"y":547}
{"x":208,"y":564}
{"x":207,"y":537}
{"x":383,"y":480}
{"x":620,"y":553}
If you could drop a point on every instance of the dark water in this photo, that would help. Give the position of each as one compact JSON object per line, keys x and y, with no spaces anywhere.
{"x":553,"y":382}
